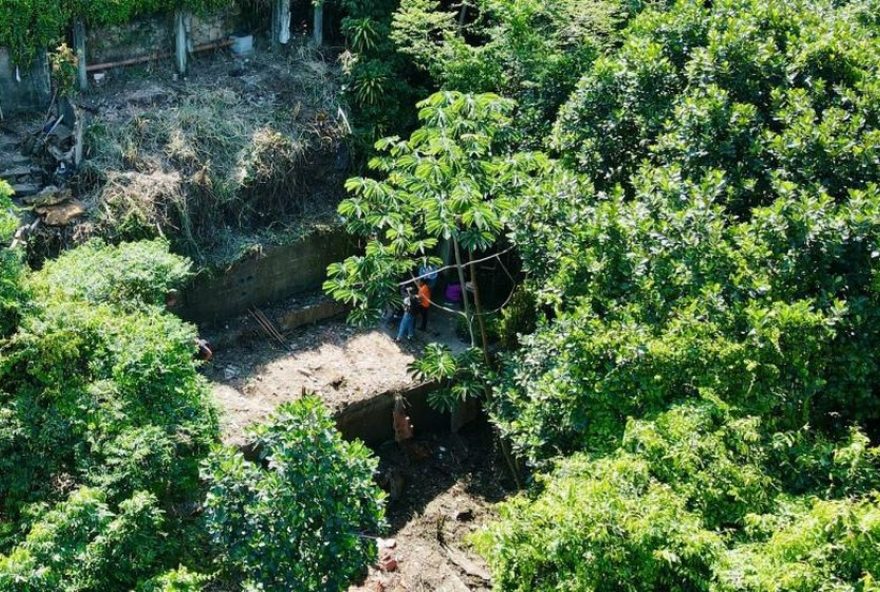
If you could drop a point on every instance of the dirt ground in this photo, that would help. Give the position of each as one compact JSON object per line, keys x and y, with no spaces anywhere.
{"x":444,"y":497}
{"x":341,"y":363}
{"x":438,"y":495}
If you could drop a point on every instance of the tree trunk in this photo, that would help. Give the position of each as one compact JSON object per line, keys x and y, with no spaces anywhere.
{"x":479,"y":311}
{"x":464,"y":294}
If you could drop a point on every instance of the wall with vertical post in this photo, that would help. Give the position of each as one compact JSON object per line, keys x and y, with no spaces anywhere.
{"x":24,"y":88}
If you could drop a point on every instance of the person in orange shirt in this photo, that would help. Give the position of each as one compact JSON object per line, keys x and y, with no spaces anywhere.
{"x":424,"y":302}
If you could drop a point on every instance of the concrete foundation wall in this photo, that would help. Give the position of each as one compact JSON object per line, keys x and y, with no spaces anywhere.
{"x":371,"y":421}
{"x":29,"y":94}
{"x":215,"y":26}
{"x":153,"y":35}
{"x":279,"y":273}
{"x":140,"y":37}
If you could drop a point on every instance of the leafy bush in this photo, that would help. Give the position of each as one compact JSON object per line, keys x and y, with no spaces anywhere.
{"x":694,"y":275}
{"x":825,"y":545}
{"x":600,"y":525}
{"x":126,"y":275}
{"x":518,"y":318}
{"x":459,"y":377}
{"x":82,"y":545}
{"x":776,"y":92}
{"x":107,"y":394}
{"x":100,"y":396}
{"x":532,"y":51}
{"x":691,"y":501}
{"x":709,"y":247}
{"x":12,"y":293}
{"x":381,"y":84}
{"x":301,"y":519}
{"x":176,"y":580}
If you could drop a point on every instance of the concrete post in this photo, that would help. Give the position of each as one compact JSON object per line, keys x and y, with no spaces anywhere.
{"x":284,"y":22}
{"x":318,"y":25}
{"x":79,"y":46}
{"x":180,"y":39}
{"x":275,"y":25}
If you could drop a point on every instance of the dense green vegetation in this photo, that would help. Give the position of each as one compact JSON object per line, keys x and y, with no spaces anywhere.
{"x":302,"y":522}
{"x":709,"y":248}
{"x":689,"y":369}
{"x":698,"y":395}
{"x":105,"y":425}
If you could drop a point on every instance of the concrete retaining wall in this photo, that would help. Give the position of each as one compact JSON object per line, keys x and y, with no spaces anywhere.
{"x":279,"y":273}
{"x":154,"y":34}
{"x":293,"y":319}
{"x":371,"y":420}
{"x":29,"y":94}
{"x":215,"y":26}
{"x":140,"y":37}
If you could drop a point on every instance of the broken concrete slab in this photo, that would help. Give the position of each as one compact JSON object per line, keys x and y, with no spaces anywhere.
{"x":25,"y":189}
{"x":49,"y":196}
{"x":19,"y":171}
{"x":61,"y":214}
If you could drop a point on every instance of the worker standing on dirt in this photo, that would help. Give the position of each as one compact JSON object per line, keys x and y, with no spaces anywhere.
{"x":407,"y":323}
{"x":424,"y":303}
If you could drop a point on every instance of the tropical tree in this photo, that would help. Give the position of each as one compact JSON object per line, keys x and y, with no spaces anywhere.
{"x":305,"y":518}
{"x":451,"y":180}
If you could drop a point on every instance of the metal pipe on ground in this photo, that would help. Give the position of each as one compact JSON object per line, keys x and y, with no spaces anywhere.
{"x":157,"y":56}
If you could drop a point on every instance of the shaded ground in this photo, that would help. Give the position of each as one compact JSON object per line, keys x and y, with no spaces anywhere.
{"x":342,"y":364}
{"x":447,"y":493}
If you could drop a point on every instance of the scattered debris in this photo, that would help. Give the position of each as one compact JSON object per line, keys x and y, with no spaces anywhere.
{"x":268,"y":327}
{"x":387,"y":562}
{"x":467,"y":566}
{"x":386,"y":543}
{"x":49,"y":196}
{"x":464,"y":515}
{"x":61,"y":214}
{"x":468,"y":478}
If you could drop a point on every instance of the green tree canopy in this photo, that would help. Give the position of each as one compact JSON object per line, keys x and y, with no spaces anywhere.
{"x":303,"y":519}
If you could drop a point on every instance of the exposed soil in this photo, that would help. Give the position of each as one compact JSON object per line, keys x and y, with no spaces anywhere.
{"x":447,"y":493}
{"x":341,"y":363}
{"x":442,"y":487}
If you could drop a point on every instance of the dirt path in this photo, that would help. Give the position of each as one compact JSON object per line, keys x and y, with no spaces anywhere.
{"x":446,"y":494}
{"x":340,"y":363}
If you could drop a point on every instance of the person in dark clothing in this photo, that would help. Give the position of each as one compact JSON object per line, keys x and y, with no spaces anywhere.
{"x":407,"y":323}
